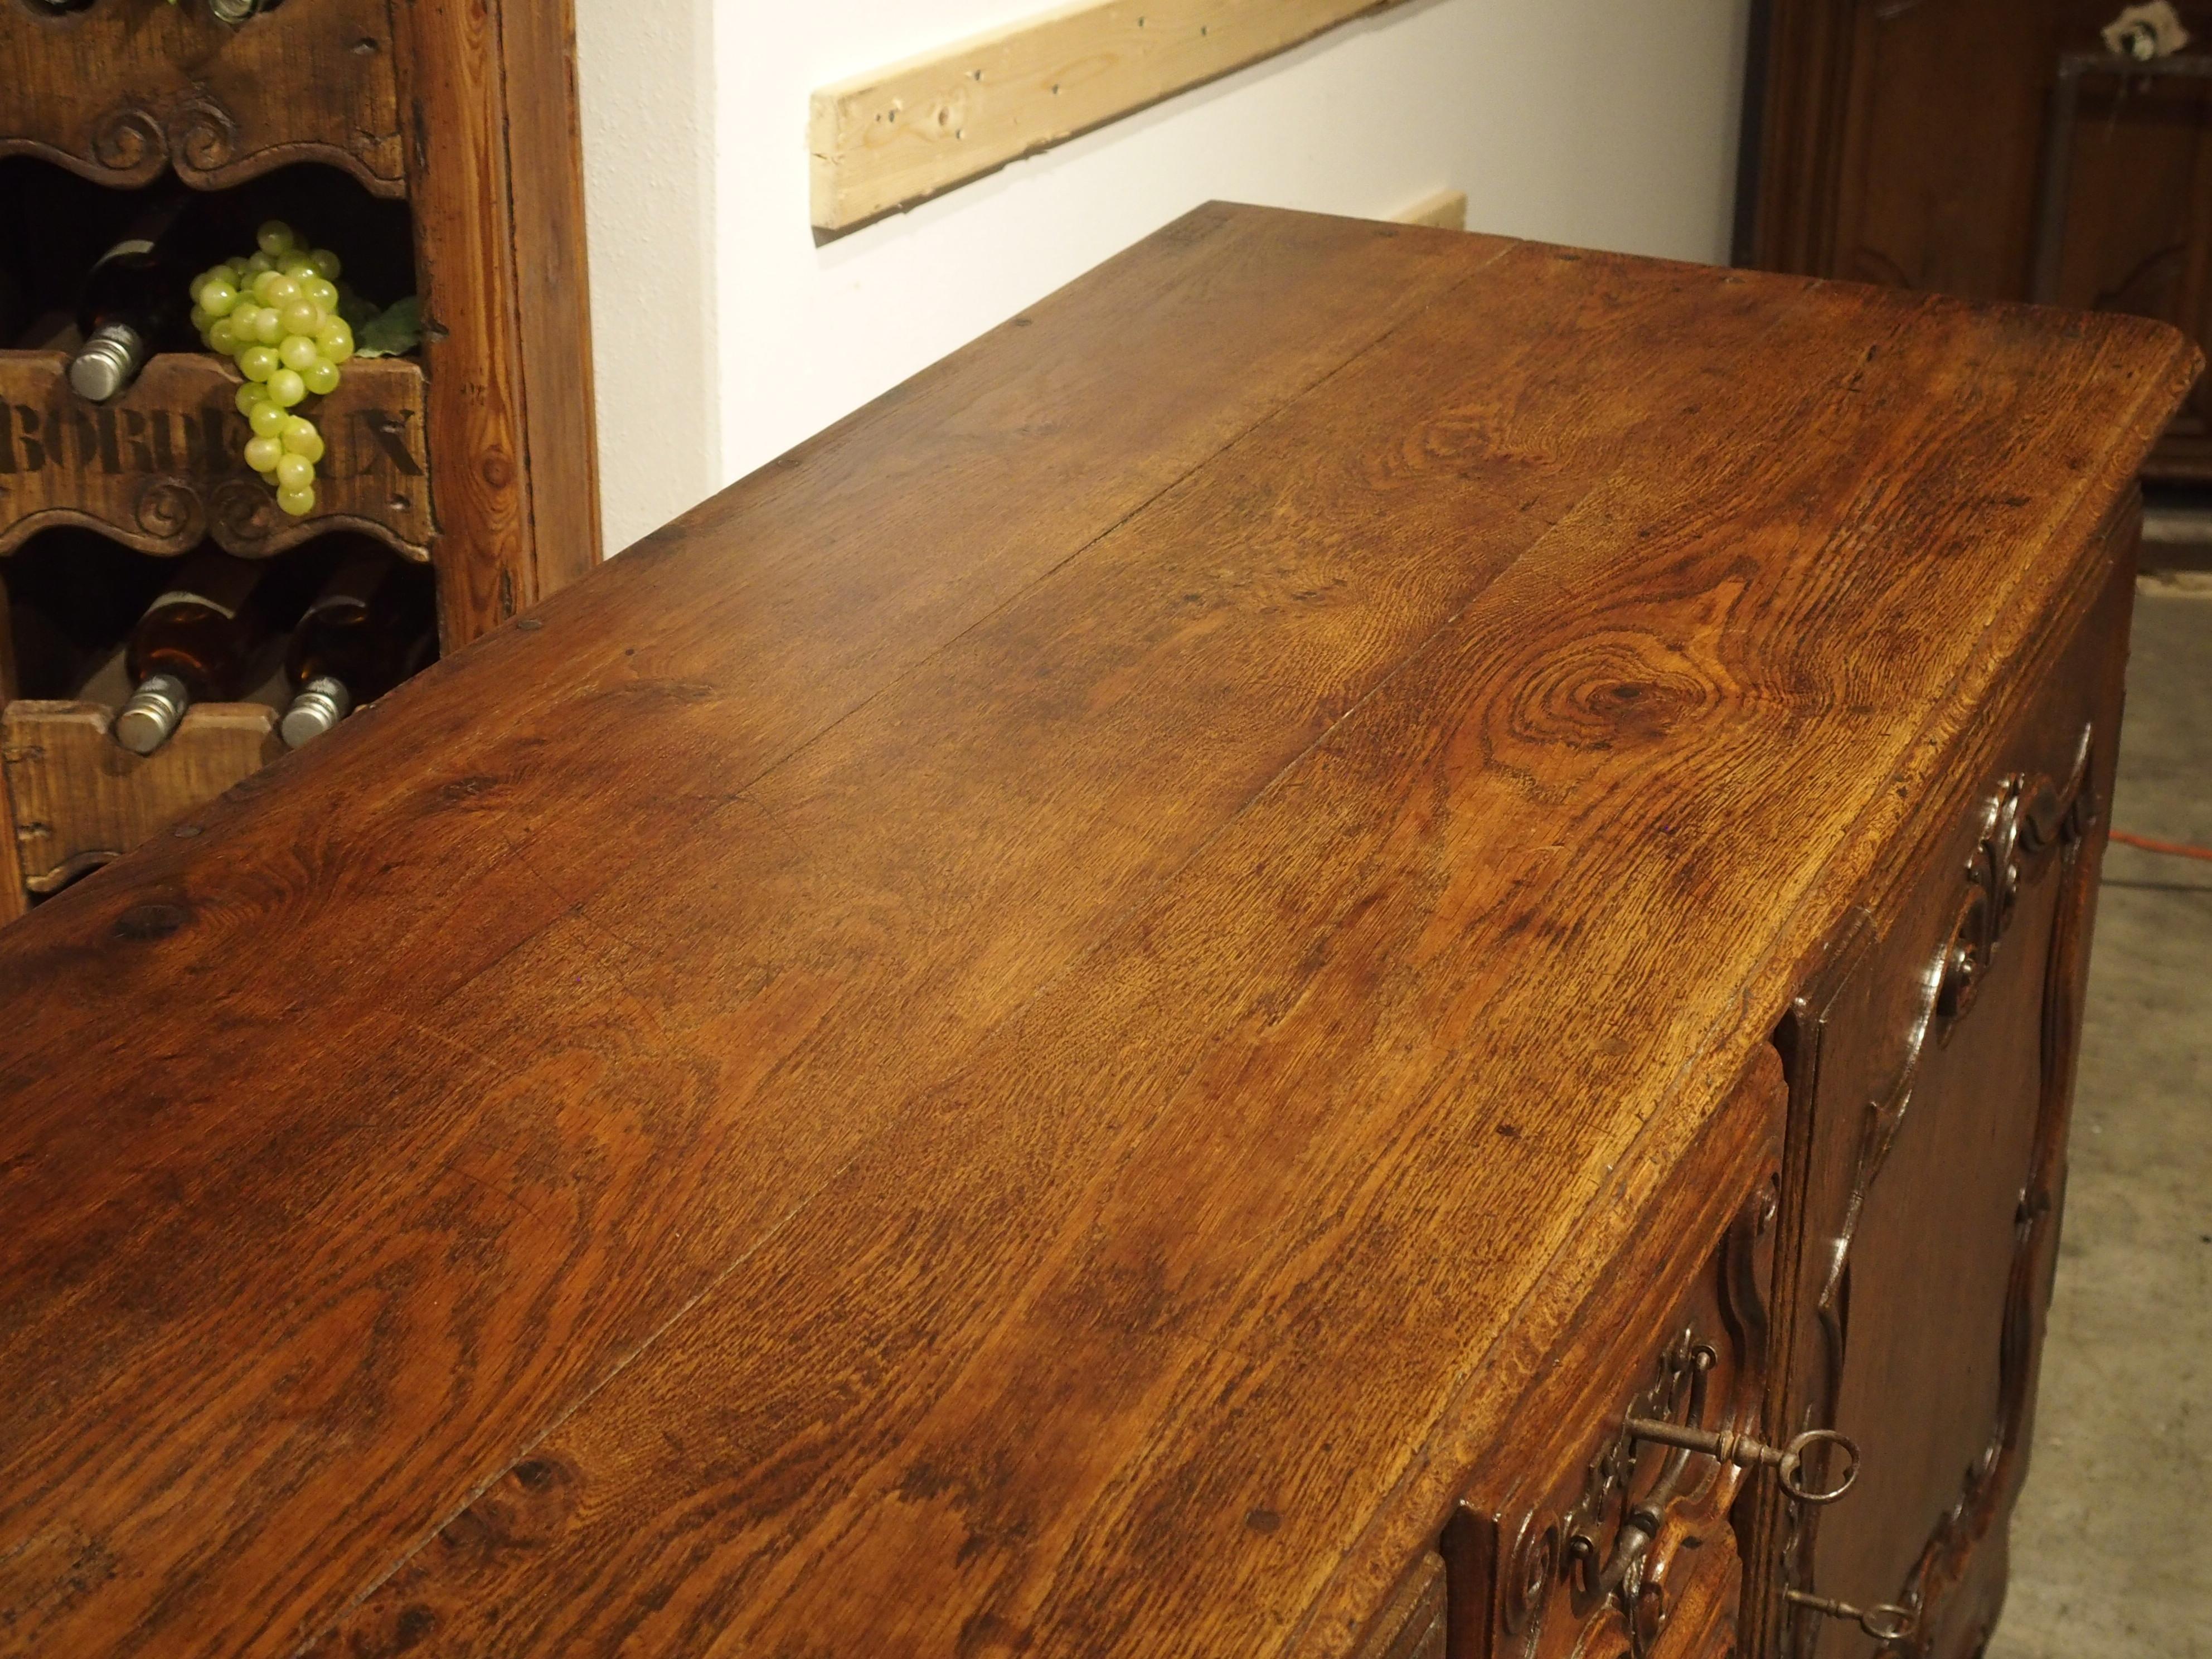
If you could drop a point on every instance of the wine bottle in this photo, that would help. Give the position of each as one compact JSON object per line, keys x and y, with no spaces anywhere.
{"x":372,"y":625}
{"x":194,"y":644}
{"x":72,"y":594}
{"x":132,"y":301}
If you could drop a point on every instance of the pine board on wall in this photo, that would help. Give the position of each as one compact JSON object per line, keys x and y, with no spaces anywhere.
{"x":889,"y":137}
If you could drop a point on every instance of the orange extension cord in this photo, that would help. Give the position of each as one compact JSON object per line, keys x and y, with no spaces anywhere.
{"x":2150,"y":844}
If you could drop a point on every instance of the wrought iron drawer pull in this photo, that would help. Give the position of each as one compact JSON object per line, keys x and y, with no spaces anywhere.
{"x":1885,"y":1623}
{"x":1743,"y":1451}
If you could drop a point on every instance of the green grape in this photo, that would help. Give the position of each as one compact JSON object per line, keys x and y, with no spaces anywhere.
{"x":268,"y":325}
{"x":302,"y":316}
{"x":202,"y":321}
{"x":300,"y":437}
{"x":241,"y":319}
{"x":295,"y":472}
{"x":250,"y":397}
{"x":267,"y":418}
{"x":280,"y":290}
{"x":286,"y":387}
{"x":321,"y":289}
{"x":262,"y":454}
{"x":326,"y":263}
{"x":299,"y":353}
{"x":336,"y":339}
{"x":297,"y":502}
{"x":223,"y":336}
{"x":275,"y":238}
{"x":296,"y":267}
{"x":259,"y":362}
{"x":217,"y":295}
{"x":256,"y":263}
{"x":321,"y":376}
{"x":262,"y":279}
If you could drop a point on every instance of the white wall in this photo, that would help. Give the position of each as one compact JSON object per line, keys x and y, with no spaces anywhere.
{"x":1606,"y":123}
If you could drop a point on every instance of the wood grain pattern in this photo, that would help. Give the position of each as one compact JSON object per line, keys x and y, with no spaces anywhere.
{"x":497,"y":188}
{"x":545,"y":151}
{"x":161,"y":467}
{"x":889,"y":137}
{"x":14,"y":897}
{"x":121,"y":90}
{"x":895,"y":1078}
{"x":81,"y":799}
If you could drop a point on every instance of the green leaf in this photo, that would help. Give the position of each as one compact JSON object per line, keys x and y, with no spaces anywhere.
{"x":356,"y":310}
{"x":396,"y":328}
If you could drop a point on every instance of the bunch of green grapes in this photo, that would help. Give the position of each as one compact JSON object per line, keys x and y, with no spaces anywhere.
{"x":276,"y":313}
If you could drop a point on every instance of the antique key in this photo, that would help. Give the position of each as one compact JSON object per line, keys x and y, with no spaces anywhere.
{"x":1742,"y":1450}
{"x":1885,"y":1623}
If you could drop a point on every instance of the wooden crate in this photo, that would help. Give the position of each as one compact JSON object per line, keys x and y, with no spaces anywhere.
{"x":478,"y":455}
{"x":159,"y":467}
{"x":81,"y":799}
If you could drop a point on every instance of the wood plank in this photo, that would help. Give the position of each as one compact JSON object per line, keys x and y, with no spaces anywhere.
{"x":500,"y":242}
{"x":545,"y":163}
{"x":1442,"y":210}
{"x":892,"y":136}
{"x":677,"y":985}
{"x":456,"y":157}
{"x":80,"y":798}
{"x":14,"y":897}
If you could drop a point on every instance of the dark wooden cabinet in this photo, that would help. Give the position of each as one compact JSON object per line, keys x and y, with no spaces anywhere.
{"x":1362,"y":1021}
{"x":1990,"y":149}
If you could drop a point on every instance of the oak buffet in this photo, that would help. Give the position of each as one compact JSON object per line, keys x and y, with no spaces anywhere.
{"x":1133,"y":1005}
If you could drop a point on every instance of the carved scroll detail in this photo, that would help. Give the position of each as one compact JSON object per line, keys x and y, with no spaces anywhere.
{"x":129,"y":140}
{"x":167,"y":509}
{"x":201,"y":133}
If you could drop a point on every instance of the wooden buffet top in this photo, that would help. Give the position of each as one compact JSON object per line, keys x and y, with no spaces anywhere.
{"x":1015,"y":1035}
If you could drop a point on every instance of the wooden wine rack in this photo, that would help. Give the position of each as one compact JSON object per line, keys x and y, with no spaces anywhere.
{"x":161,"y":467}
{"x":478,"y":455}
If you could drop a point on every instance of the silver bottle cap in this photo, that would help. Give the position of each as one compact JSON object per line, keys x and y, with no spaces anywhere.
{"x":144,"y":723}
{"x":233,"y":12}
{"x":106,"y":362}
{"x":321,"y":704}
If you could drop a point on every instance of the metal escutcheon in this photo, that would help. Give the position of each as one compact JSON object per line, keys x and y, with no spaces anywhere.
{"x":1740,"y":1449}
{"x":1885,"y":1622}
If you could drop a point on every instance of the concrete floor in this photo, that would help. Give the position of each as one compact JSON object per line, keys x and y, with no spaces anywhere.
{"x":2111,"y":1554}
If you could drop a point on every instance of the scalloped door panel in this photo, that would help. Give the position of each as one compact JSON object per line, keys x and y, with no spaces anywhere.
{"x":161,"y":467}
{"x":124,"y":89}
